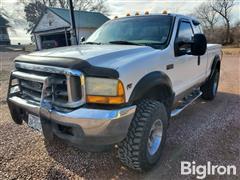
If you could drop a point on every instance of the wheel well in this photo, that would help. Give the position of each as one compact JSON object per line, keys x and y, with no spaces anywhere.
{"x":160,"y":93}
{"x":155,"y":85}
{"x":218,"y":65}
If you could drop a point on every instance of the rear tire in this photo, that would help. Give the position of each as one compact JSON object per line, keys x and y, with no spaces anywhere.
{"x":142,"y":147}
{"x":209,"y":89}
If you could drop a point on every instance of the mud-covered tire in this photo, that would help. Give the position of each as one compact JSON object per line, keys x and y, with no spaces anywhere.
{"x":134,"y":151}
{"x":209,"y":89}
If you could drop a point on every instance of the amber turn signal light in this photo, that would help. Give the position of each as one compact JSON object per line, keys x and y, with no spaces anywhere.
{"x":119,"y":99}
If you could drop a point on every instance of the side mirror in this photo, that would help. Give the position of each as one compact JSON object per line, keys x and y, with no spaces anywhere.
{"x":199,"y":45}
{"x":82,"y":39}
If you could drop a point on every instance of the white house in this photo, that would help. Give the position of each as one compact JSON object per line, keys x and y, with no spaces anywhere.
{"x":4,"y":37}
{"x":54,"y":26}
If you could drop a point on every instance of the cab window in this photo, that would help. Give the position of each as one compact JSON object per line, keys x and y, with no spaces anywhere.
{"x":185,"y":34}
{"x":197,"y":29}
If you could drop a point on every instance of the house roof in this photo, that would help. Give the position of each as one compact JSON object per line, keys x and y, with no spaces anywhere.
{"x":84,"y":19}
{"x":3,"y":21}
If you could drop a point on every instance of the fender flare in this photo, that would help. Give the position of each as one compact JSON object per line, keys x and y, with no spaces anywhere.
{"x":215,"y":62}
{"x":148,"y":82}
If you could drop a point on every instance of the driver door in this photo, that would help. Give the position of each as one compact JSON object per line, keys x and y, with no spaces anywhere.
{"x":185,"y":64}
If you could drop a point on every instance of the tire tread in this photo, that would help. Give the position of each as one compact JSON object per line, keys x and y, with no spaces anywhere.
{"x":130,"y":148}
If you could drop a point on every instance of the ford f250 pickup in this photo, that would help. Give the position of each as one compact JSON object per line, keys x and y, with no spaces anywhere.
{"x":119,"y":87}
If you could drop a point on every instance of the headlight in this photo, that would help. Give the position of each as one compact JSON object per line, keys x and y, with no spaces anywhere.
{"x":104,"y":91}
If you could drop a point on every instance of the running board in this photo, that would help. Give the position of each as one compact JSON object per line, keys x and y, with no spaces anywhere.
{"x":186,"y":102}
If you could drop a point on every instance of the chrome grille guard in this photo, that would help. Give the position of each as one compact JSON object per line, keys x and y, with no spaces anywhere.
{"x":47,"y":82}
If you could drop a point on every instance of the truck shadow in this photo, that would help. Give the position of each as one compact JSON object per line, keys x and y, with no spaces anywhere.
{"x":181,"y":140}
{"x":88,"y":165}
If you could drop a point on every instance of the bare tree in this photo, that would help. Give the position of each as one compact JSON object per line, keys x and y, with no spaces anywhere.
{"x":236,"y":33}
{"x":49,"y":3}
{"x":91,"y":5}
{"x":207,"y":16}
{"x":86,"y":5}
{"x":33,"y":11}
{"x":5,"y":14}
{"x":223,"y":8}
{"x":63,"y":3}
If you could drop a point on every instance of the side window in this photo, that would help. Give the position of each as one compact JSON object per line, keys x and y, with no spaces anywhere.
{"x":185,"y":34}
{"x":197,"y":29}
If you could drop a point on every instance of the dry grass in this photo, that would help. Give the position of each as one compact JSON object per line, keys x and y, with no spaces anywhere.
{"x":4,"y":75}
{"x":231,"y":51}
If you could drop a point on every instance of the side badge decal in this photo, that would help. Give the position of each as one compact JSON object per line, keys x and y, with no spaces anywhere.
{"x":129,"y":86}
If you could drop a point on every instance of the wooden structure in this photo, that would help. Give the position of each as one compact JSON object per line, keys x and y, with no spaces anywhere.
{"x":54,"y":26}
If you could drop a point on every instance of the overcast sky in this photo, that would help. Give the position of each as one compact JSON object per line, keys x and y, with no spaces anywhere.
{"x":117,"y":8}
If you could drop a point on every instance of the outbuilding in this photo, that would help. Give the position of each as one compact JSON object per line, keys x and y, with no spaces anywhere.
{"x":53,"y":27}
{"x":4,"y":37}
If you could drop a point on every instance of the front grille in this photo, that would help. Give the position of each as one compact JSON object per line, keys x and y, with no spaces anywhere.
{"x":31,"y":89}
{"x":62,"y":90}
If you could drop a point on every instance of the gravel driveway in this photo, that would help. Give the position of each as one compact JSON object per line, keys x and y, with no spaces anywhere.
{"x":205,"y":131}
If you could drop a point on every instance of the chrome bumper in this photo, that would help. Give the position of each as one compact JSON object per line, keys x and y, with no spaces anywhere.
{"x":96,"y":125}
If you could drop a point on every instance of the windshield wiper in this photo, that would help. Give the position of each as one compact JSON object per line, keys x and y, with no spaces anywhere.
{"x":124,"y":42}
{"x":97,"y":43}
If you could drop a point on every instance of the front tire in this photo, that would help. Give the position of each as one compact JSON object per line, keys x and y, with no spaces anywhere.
{"x":142,"y":147}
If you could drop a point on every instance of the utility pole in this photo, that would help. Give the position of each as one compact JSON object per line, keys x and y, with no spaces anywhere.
{"x":74,"y":40}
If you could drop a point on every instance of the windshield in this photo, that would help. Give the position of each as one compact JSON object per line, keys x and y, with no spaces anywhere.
{"x":143,"y":30}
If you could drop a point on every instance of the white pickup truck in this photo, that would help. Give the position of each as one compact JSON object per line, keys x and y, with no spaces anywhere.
{"x":119,"y":87}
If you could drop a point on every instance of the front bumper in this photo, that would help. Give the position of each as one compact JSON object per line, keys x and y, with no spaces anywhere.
{"x":81,"y":126}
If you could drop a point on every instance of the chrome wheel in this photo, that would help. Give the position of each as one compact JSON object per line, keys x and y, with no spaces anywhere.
{"x":155,"y":137}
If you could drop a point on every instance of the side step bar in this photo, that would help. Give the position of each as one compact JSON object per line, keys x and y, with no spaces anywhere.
{"x":186,"y":102}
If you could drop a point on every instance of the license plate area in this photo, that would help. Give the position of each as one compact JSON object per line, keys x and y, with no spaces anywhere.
{"x":34,"y":122}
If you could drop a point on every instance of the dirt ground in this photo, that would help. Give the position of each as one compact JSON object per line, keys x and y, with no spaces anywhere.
{"x":205,"y":131}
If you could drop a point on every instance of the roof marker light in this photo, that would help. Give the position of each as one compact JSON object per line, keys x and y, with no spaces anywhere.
{"x":128,"y":14}
{"x":165,"y":12}
{"x":146,"y":13}
{"x":137,"y":14}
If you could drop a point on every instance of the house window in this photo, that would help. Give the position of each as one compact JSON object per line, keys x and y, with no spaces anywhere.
{"x":3,"y":30}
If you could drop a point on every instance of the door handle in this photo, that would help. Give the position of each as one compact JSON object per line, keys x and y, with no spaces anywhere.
{"x":199,"y":60}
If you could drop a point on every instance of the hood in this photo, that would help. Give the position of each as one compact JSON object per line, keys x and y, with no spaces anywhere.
{"x":108,"y":56}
